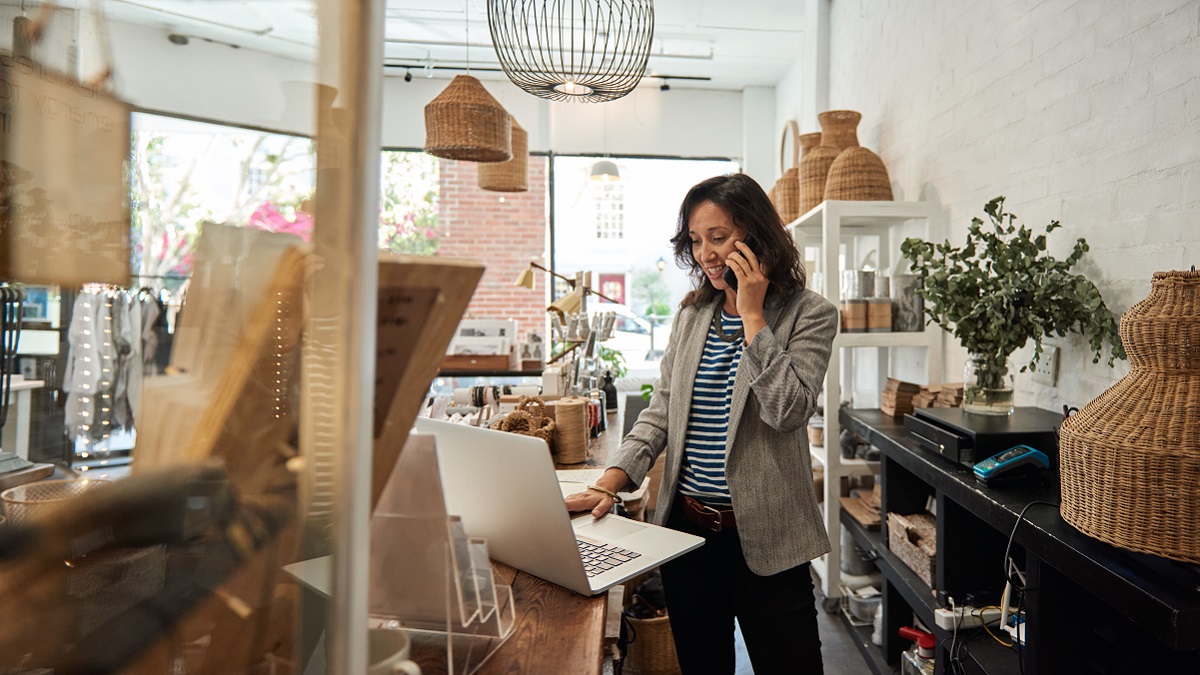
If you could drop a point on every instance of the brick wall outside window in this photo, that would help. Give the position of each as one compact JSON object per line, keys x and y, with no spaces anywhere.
{"x":504,"y":235}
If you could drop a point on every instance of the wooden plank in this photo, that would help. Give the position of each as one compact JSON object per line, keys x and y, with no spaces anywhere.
{"x":557,"y":631}
{"x":421,"y":301}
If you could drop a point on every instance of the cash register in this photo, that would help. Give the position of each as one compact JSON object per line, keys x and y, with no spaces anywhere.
{"x":970,"y":438}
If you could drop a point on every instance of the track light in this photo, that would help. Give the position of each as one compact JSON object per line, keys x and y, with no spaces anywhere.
{"x":408,"y":76}
{"x":665,"y":86}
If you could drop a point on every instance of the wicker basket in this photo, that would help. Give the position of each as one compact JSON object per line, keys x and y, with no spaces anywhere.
{"x":652,"y":650}
{"x":465,"y":122}
{"x":787,"y":195}
{"x":27,"y":502}
{"x":814,"y":169}
{"x":529,"y":419}
{"x":858,"y":174}
{"x":513,"y":175}
{"x":787,"y":188}
{"x":1130,"y":460}
{"x":839,"y":128}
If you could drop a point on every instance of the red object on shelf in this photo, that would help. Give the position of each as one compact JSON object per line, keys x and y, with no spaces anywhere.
{"x":925,"y":641}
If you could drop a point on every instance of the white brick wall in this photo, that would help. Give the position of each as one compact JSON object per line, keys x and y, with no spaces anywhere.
{"x":1085,"y":112}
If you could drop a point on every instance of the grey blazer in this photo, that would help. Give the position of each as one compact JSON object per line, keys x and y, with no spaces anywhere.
{"x":767,"y":463}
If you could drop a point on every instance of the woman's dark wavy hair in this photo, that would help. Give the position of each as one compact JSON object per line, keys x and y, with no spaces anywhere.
{"x":744,"y":200}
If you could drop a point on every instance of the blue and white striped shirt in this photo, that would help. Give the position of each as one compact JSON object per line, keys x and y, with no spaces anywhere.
{"x":703,"y":472}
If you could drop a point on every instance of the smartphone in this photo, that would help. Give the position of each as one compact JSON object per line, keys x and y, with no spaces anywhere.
{"x":731,"y":278}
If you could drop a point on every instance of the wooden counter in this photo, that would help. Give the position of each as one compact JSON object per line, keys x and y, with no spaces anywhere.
{"x":557,"y":631}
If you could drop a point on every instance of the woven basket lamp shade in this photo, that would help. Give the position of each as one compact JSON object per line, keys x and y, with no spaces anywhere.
{"x":464,"y":122}
{"x":1130,"y":460}
{"x":856,"y":173}
{"x":513,"y":175}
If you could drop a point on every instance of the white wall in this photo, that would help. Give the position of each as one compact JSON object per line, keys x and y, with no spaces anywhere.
{"x":1084,"y":112}
{"x":247,"y":87}
{"x":212,"y":81}
{"x":680,"y":122}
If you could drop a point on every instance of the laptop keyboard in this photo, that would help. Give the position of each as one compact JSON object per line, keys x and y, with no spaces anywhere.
{"x":599,"y":557}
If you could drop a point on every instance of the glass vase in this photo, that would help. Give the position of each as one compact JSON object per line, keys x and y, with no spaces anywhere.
{"x":988,"y":383}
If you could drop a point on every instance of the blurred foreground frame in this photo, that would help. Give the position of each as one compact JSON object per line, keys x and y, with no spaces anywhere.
{"x":177,"y":568}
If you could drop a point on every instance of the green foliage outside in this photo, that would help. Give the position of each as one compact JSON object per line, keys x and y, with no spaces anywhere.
{"x":408,"y":218}
{"x":1001,"y":289}
{"x":650,"y":291}
{"x":169,"y":203}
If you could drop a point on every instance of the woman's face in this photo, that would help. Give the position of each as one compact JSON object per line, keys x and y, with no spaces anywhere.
{"x":713,"y":232}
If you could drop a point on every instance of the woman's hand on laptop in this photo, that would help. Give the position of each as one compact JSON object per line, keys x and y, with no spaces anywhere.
{"x":597,"y":501}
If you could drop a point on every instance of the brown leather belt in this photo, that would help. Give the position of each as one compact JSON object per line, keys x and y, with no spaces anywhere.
{"x":707,"y":517}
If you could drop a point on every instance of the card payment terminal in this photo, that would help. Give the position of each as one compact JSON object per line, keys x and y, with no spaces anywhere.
{"x":1017,"y":461}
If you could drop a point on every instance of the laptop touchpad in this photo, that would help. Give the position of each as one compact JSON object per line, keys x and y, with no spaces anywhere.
{"x":612,"y":528}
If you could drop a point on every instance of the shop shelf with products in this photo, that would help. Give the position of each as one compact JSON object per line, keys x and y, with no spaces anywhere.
{"x":835,"y":236}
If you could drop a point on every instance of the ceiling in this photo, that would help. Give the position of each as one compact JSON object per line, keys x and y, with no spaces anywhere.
{"x":697,"y":43}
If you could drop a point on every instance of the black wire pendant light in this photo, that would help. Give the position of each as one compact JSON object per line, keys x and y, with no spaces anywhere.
{"x":573,"y":50}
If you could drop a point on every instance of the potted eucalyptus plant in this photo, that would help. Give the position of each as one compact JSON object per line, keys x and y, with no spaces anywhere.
{"x":1001,"y":289}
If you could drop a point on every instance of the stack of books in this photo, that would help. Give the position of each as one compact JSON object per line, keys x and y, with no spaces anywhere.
{"x":949,"y":396}
{"x":898,"y":396}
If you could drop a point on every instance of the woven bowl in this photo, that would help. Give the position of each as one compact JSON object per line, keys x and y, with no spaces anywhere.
{"x":26,"y":502}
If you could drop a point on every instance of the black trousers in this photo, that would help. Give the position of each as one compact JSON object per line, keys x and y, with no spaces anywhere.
{"x":707,"y":588}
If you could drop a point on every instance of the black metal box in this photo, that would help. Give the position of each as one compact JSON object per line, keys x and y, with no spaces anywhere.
{"x":968,"y":438}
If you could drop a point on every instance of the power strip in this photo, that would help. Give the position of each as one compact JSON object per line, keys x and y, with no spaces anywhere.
{"x":965,"y":617}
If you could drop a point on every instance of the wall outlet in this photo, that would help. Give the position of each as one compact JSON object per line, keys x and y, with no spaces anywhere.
{"x":1046,"y":371}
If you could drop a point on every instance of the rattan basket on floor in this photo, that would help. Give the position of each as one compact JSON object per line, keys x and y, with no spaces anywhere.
{"x":1130,"y":460}
{"x":513,"y":175}
{"x":652,"y":650}
{"x":464,"y":122}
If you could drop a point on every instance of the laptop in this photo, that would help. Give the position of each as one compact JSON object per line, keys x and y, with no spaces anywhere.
{"x":504,"y":488}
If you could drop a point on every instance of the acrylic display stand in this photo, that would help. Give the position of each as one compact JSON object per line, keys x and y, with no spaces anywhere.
{"x":427,"y":576}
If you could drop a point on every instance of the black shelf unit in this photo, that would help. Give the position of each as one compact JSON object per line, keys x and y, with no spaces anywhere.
{"x":1091,"y":608}
{"x":862,"y":640}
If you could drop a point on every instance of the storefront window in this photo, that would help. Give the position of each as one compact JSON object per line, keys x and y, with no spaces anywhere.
{"x":186,"y":173}
{"x":619,"y":230}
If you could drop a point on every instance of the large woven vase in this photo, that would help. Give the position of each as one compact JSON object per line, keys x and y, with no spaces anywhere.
{"x":1130,"y":460}
{"x":814,"y":165}
{"x":787,"y":188}
{"x":856,"y":173}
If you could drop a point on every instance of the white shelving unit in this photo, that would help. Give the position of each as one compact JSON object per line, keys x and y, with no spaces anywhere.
{"x":843,"y":230}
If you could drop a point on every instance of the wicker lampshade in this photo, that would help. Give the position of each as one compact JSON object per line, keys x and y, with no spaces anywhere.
{"x":513,"y":175}
{"x":1130,"y":460}
{"x":465,"y":122}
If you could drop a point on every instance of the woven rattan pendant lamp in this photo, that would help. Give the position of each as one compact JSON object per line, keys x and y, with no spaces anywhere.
{"x":513,"y":175}
{"x":578,"y":50}
{"x":465,"y":122}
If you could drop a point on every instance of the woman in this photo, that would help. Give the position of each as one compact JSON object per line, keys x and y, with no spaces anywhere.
{"x":739,"y":379}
